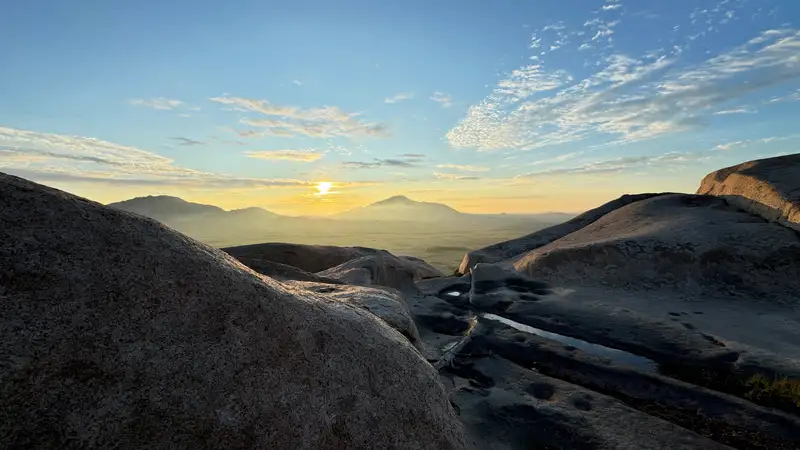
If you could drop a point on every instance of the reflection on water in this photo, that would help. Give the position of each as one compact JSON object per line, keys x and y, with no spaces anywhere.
{"x":453,"y":294}
{"x":617,"y":356}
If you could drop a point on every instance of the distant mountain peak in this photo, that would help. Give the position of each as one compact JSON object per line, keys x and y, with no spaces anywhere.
{"x":396,"y":200}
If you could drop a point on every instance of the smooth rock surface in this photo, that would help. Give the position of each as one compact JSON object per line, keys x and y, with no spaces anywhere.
{"x":686,"y":244}
{"x":769,"y":188}
{"x":311,"y":258}
{"x":382,"y":269}
{"x":116,"y":331}
{"x":514,"y":247}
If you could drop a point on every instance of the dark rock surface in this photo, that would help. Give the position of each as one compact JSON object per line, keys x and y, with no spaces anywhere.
{"x":117,"y":332}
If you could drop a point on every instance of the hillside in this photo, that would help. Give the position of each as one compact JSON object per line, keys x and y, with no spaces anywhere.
{"x":401,"y":207}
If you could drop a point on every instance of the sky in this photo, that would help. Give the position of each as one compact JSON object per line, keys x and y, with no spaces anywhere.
{"x":312,"y":107}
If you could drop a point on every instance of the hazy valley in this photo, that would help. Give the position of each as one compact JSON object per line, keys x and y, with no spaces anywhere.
{"x":432,"y":231}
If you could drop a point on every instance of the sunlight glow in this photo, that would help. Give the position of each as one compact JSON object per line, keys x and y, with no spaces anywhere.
{"x":323,"y":187}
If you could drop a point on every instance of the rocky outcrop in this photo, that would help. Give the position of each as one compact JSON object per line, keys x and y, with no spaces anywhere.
{"x":311,"y":258}
{"x":318,"y":258}
{"x":382,"y":269}
{"x":283,"y":272}
{"x":769,"y":188}
{"x":388,"y":304}
{"x":513,"y":247}
{"x":691,"y":245}
{"x":116,"y":331}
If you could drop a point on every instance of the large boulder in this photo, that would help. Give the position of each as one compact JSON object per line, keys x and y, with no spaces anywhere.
{"x":311,"y":258}
{"x":381,"y":269}
{"x":388,"y":304}
{"x":317,"y":258}
{"x":769,"y":188}
{"x":514,"y":247}
{"x":116,"y":331}
{"x":692,"y":245}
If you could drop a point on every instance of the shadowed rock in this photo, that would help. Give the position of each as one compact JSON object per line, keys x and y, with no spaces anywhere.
{"x":116,"y":331}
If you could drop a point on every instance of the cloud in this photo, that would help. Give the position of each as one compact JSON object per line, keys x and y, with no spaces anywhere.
{"x":732,"y":145}
{"x":157,"y":103}
{"x":249,"y":133}
{"x":188,"y":142}
{"x":399,"y":97}
{"x":612,"y":6}
{"x":734,"y":111}
{"x":445,"y":100}
{"x":377,"y":162}
{"x":623,"y":164}
{"x":556,"y":159}
{"x":297,"y":82}
{"x":462,"y":168}
{"x":289,"y":121}
{"x":454,"y":177}
{"x":792,"y":97}
{"x":54,"y":157}
{"x":412,"y":155}
{"x":286,"y":155}
{"x":627,"y":99}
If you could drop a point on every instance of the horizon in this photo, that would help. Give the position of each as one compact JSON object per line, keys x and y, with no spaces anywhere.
{"x":334,"y":214}
{"x":311,"y":109}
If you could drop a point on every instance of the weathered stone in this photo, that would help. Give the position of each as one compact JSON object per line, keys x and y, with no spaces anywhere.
{"x":116,"y":331}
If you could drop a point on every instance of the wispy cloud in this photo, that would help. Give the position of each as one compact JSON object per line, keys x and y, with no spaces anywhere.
{"x":623,"y":164}
{"x":188,"y":142}
{"x":323,"y":122}
{"x":156,"y":103}
{"x":792,"y":97}
{"x":462,"y":168}
{"x":286,"y":155}
{"x":377,"y":162}
{"x":454,"y":177}
{"x":399,"y":97}
{"x":297,"y":82}
{"x":627,"y":99}
{"x":412,"y":155}
{"x":444,"y":100}
{"x":734,"y":111}
{"x":555,"y":159}
{"x":54,"y":157}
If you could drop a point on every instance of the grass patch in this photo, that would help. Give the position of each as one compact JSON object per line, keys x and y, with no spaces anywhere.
{"x":779,"y":390}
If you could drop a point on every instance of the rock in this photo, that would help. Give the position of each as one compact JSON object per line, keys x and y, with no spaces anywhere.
{"x":508,"y":249}
{"x":388,"y":304}
{"x":421,"y":269}
{"x":504,"y":406}
{"x":318,"y":258}
{"x":382,"y":268}
{"x":686,"y":244}
{"x":117,"y":331}
{"x":311,"y":258}
{"x":283,"y":272}
{"x":769,"y":188}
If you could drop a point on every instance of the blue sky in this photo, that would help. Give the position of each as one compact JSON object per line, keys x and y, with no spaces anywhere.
{"x":516,"y":106}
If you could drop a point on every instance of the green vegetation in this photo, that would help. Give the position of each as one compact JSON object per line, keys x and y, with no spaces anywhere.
{"x":780,"y":391}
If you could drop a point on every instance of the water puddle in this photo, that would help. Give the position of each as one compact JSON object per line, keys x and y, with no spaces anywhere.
{"x":617,"y":356}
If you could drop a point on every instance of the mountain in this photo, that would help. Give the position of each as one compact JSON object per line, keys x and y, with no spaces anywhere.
{"x":164,"y":207}
{"x":401,"y":208}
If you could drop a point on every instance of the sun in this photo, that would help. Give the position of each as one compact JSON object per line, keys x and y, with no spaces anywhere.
{"x":323,"y":187}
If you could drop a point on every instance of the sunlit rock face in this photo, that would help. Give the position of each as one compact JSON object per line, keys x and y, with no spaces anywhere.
{"x":116,"y":331}
{"x":769,"y":188}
